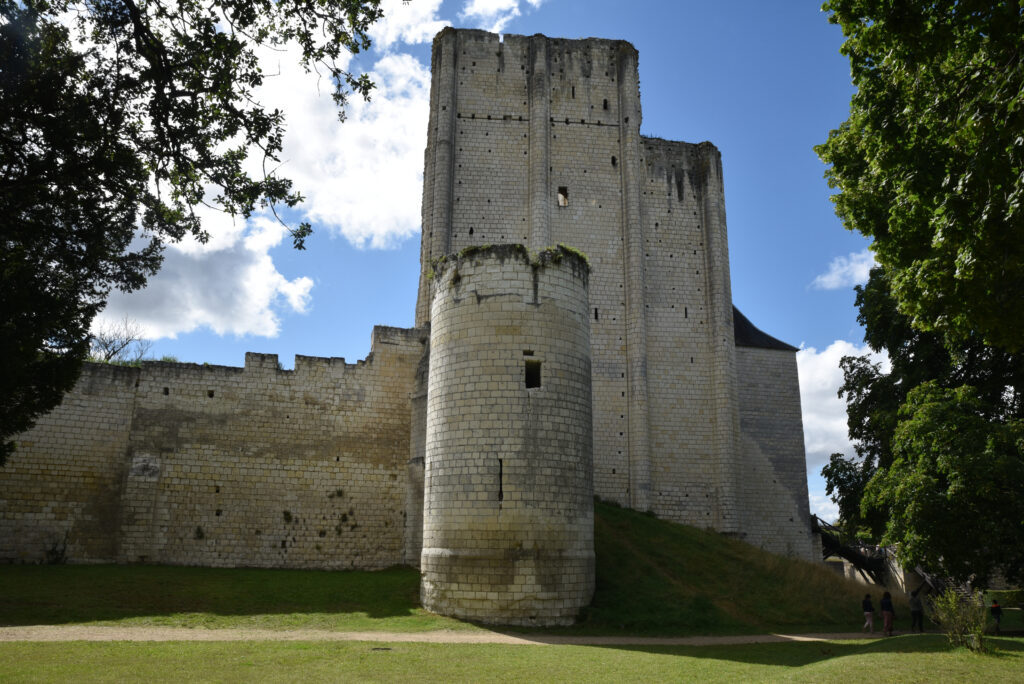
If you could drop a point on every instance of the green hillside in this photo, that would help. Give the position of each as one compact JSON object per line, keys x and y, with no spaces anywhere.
{"x":656,"y":577}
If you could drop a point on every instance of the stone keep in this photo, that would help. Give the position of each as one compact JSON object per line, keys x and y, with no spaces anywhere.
{"x":508,"y":497}
{"x":694,"y":413}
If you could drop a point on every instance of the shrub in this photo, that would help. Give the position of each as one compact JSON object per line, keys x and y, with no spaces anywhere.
{"x":962,"y":618}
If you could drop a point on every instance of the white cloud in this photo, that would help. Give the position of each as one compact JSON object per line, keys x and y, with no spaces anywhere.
{"x":415,"y":22}
{"x":362,"y":178}
{"x":824,"y":508}
{"x":493,"y":15}
{"x":846,"y":271}
{"x":824,"y":413}
{"x":229,"y":284}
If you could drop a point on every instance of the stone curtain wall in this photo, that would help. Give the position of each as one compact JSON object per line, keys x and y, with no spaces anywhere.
{"x":508,"y":495}
{"x":774,"y":505}
{"x":218,"y":466}
{"x":417,"y":453}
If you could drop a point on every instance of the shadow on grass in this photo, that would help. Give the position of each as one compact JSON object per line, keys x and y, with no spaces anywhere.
{"x":62,"y":594}
{"x":800,"y":654}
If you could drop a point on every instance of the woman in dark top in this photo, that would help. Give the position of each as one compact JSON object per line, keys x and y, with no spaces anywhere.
{"x":888,"y":614}
{"x":869,"y":614}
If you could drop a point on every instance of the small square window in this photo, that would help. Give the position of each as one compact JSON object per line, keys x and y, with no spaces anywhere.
{"x":532,"y":373}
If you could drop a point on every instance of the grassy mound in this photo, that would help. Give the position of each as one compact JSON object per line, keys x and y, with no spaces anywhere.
{"x":657,"y":577}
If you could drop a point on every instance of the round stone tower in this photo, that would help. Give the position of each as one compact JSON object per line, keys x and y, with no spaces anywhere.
{"x":508,"y":523}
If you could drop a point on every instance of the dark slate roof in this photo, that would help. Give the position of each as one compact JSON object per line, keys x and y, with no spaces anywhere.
{"x":746,"y":334}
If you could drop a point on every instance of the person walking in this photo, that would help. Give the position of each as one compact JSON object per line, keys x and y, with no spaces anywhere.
{"x":916,"y":611}
{"x":997,"y":613}
{"x":888,"y":614}
{"x":869,"y":614}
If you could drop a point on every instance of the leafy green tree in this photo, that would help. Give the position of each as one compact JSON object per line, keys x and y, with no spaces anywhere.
{"x":845,"y":479}
{"x":118,"y":118}
{"x":953,"y":490}
{"x":873,"y":397}
{"x":930,"y":163}
{"x":876,"y":397}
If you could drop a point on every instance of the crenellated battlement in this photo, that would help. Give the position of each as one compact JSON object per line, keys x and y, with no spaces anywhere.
{"x":252,"y":465}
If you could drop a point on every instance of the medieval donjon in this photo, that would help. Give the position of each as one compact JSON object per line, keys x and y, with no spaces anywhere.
{"x":471,"y":445}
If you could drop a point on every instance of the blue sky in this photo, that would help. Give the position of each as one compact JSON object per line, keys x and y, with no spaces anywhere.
{"x":763,"y":81}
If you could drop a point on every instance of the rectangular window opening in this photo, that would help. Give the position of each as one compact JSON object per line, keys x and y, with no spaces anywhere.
{"x":532,"y":373}
{"x":563,"y":196}
{"x":595,"y":314}
{"x":501,"y":480}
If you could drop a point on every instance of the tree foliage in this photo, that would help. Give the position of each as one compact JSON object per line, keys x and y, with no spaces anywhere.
{"x":874,"y":396}
{"x":891,"y":413}
{"x":953,"y":490}
{"x":118,"y":118}
{"x":930,"y":163}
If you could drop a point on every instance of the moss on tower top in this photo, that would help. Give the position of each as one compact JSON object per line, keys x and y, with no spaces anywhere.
{"x":549,"y":255}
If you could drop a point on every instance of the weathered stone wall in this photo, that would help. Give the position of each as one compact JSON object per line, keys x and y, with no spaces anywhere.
{"x":511,"y":123}
{"x":218,"y":466}
{"x":689,"y":332}
{"x":508,"y":493}
{"x":773,"y":501}
{"x":63,"y":483}
{"x":417,"y":459}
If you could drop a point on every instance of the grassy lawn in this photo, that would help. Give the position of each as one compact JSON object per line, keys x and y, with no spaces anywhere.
{"x":653,"y":578}
{"x":902,"y":659}
{"x":214,"y":598}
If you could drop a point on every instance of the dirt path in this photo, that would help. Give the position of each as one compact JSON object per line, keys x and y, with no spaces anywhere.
{"x":85,"y":633}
